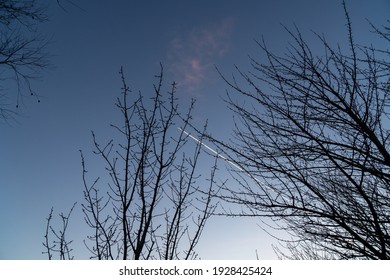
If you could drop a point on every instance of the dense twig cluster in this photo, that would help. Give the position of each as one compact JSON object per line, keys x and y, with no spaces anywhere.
{"x":22,"y":52}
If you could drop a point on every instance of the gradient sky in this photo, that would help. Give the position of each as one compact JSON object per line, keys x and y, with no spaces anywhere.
{"x":39,"y":151}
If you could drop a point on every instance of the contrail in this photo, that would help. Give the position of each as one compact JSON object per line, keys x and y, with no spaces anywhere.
{"x":229,"y":161}
{"x":210,"y":149}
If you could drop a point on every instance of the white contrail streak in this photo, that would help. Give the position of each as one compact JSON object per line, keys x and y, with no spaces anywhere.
{"x":229,"y":161}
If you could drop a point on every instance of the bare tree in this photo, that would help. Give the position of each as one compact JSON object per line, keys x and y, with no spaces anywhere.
{"x":22,"y":52}
{"x":312,"y":146}
{"x":150,"y":206}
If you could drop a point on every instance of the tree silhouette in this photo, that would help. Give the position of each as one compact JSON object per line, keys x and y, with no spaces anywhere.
{"x":22,"y":52}
{"x":151,"y":207}
{"x":312,"y":145}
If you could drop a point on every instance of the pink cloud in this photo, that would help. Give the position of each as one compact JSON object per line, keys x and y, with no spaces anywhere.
{"x":191,"y":58}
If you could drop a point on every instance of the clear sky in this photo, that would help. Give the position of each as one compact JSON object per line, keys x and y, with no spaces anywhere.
{"x":39,"y":151}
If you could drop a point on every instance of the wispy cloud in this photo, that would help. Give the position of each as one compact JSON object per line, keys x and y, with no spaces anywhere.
{"x":191,"y":57}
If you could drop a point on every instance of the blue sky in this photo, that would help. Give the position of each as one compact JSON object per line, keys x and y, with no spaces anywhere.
{"x":39,"y":151}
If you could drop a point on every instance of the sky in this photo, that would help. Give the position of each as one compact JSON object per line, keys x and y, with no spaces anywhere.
{"x":39,"y":151}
